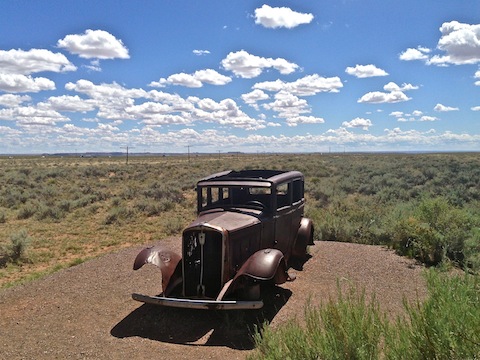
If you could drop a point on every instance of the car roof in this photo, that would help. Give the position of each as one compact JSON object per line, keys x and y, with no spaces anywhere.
{"x":262,"y":178}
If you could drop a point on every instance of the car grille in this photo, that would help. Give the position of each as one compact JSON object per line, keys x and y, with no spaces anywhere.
{"x":202,"y":273}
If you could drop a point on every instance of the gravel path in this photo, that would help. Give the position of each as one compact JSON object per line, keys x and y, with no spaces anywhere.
{"x":86,"y":312}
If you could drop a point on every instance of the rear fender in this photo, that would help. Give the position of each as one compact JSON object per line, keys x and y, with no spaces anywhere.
{"x":267,"y":265}
{"x":168,"y":261}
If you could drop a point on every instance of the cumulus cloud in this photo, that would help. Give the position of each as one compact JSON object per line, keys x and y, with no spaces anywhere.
{"x":459,"y":42}
{"x":69,"y":104}
{"x":17,"y":83}
{"x":477,"y":76}
{"x":287,"y":105}
{"x":248,"y":66}
{"x":10,"y":100}
{"x":420,"y":53}
{"x":365,"y":71}
{"x":94,"y":44}
{"x":358,"y":123}
{"x":278,"y":17}
{"x":195,"y":80}
{"x":308,"y":85}
{"x":296,"y":120}
{"x":394,"y":94}
{"x":33,"y":61}
{"x":32,"y":115}
{"x":253,"y":97}
{"x":391,"y":86}
{"x":378,"y":97}
{"x":443,"y":108}
{"x":475,"y":108}
{"x":415,"y":115}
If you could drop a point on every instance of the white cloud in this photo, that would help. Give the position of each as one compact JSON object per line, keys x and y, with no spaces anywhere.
{"x":69,"y":104}
{"x":477,"y":76}
{"x":33,"y":61}
{"x":96,"y":44}
{"x":278,"y":17}
{"x":287,"y":105}
{"x":396,"y":114}
{"x":248,"y":66}
{"x":365,"y":71}
{"x":415,"y":115}
{"x":391,"y":86}
{"x":102,"y":91}
{"x":10,"y":100}
{"x":461,"y":42}
{"x":253,"y":97}
{"x":296,"y":120}
{"x":419,"y":53}
{"x":17,"y":83}
{"x":443,"y":108}
{"x":31,"y":115}
{"x":195,"y":80}
{"x":475,"y":108}
{"x":377,"y":97}
{"x":428,"y":118}
{"x":358,"y":123}
{"x":201,"y":52}
{"x":212,"y":77}
{"x":308,"y":85}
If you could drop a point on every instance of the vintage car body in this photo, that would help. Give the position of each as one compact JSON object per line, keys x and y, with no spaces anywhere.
{"x":250,"y":225}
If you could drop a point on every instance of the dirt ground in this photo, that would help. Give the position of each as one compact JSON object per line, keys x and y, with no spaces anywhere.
{"x":86,"y":312}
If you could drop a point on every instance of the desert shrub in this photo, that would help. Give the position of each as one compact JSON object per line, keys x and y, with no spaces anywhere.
{"x":173,"y":225}
{"x":472,"y":251}
{"x":432,"y":231}
{"x":153,"y":208}
{"x":158,"y":191}
{"x":3,"y":217}
{"x":15,"y":251}
{"x":26,"y":211}
{"x":347,"y":327}
{"x":47,"y":211}
{"x":119,"y":214}
{"x":444,"y":326}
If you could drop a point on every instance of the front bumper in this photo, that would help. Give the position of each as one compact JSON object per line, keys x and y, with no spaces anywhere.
{"x":199,"y":303}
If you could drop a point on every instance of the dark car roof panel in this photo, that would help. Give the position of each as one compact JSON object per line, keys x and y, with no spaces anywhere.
{"x":249,"y":177}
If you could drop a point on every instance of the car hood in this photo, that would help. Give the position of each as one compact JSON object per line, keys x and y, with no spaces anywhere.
{"x":229,"y":220}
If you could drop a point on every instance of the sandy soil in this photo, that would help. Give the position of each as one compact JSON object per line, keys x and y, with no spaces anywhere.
{"x":86,"y":312}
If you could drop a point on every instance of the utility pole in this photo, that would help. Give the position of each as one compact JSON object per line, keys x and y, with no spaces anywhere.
{"x":126,"y":147}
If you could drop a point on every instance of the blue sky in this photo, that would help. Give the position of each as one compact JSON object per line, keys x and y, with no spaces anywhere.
{"x":239,"y":75}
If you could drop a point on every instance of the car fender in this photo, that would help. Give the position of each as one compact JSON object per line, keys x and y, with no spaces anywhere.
{"x":167,"y":260}
{"x":267,"y":265}
{"x":304,"y":237}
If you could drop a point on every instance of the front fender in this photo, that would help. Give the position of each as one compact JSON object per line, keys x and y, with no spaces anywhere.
{"x":165,"y":259}
{"x":263,"y":265}
{"x":267,"y":265}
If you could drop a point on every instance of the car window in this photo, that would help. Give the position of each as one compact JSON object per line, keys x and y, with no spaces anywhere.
{"x":297,"y":186}
{"x":283,"y":195}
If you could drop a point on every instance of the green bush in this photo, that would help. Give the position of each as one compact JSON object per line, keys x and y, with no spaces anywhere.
{"x":15,"y":251}
{"x":432,"y":231}
{"x":472,"y":251}
{"x":444,"y":326}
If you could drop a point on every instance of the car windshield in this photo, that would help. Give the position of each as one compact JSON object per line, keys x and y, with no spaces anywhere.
{"x":234,"y":196}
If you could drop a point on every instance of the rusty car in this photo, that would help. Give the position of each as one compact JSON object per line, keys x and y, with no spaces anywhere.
{"x":250,"y":226}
